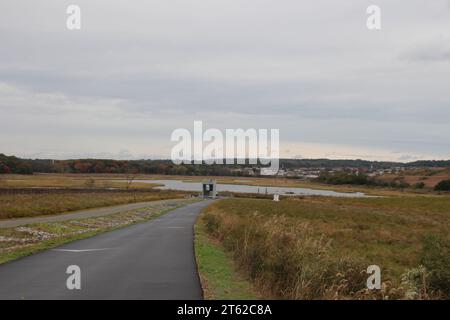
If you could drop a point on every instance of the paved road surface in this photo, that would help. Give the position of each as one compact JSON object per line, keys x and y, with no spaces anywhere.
{"x":89,"y":213}
{"x":149,"y":260}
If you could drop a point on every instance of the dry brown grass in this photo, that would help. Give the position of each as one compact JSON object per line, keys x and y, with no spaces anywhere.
{"x":430,"y":177}
{"x":319,"y":248}
{"x":68,"y":181}
{"x":30,"y":205}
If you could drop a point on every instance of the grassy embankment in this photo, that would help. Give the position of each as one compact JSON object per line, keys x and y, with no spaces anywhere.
{"x":22,"y":241}
{"x":30,"y":205}
{"x":320,"y":248}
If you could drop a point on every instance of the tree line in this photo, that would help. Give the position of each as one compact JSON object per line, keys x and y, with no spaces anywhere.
{"x":12,"y":164}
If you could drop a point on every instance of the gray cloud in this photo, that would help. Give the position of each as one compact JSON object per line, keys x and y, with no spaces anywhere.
{"x":136,"y":72}
{"x":439,"y":51}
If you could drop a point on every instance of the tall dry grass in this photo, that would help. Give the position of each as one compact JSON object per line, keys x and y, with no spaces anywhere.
{"x":289,"y":257}
{"x":284,"y":258}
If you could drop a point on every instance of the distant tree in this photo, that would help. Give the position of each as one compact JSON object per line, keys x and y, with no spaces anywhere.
{"x":81,"y":167}
{"x":340,"y":178}
{"x":444,"y":185}
{"x":419,"y":185}
{"x":403,"y":184}
{"x":130,"y":175}
{"x":24,"y":168}
{"x":4,"y":168}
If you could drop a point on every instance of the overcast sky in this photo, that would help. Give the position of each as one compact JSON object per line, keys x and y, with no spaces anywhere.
{"x":137,"y":70}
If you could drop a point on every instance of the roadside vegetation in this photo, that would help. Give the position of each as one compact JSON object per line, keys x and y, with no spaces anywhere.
{"x":218,"y":275}
{"x":30,"y":205}
{"x":320,"y":248}
{"x":25,"y":240}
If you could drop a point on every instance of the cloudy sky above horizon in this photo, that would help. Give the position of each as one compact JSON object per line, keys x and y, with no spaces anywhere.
{"x":138,"y":70}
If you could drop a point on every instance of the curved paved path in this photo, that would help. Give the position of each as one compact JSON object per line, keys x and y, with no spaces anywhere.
{"x":149,"y":260}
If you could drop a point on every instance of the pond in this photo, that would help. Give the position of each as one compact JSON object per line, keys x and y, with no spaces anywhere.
{"x":242,"y":188}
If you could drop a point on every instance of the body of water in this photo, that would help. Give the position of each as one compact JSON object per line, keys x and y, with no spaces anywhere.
{"x":197,"y":186}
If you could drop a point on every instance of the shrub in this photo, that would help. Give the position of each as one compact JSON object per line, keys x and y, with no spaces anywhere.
{"x":435,"y":257}
{"x":211,"y":223}
{"x":339,"y":178}
{"x":444,"y":185}
{"x":419,"y":185}
{"x":414,"y":283}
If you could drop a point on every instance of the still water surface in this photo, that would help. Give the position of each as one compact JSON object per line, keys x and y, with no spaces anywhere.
{"x":196,"y":186}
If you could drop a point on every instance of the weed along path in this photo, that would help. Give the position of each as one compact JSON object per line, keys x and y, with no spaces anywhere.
{"x":149,"y":260}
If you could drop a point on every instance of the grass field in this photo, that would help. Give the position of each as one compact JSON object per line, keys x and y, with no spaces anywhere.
{"x":30,"y":205}
{"x":68,"y":181}
{"x":317,"y":247}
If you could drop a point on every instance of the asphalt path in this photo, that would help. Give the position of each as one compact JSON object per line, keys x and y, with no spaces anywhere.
{"x":149,"y":260}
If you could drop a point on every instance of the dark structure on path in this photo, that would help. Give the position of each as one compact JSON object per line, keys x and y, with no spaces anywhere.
{"x":209,"y":189}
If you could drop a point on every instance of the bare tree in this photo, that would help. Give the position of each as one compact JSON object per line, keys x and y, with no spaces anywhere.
{"x":130,"y":175}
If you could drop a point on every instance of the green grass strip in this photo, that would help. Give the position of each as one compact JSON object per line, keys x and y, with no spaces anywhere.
{"x":220,"y":279}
